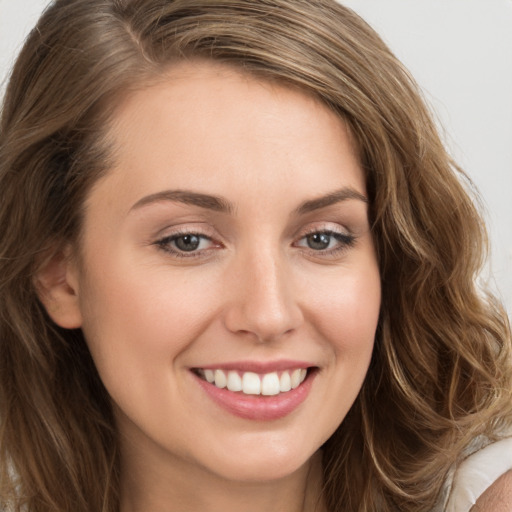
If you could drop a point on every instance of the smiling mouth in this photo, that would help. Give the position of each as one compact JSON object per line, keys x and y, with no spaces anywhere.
{"x":250,"y":383}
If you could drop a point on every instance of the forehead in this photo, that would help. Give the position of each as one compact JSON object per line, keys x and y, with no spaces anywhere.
{"x":195,"y":90}
{"x":206,"y":125}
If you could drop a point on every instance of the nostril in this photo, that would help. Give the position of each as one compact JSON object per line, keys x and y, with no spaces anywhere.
{"x":252,"y":320}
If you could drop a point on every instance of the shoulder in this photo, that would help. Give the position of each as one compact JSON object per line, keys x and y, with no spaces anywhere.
{"x":497,"y":497}
{"x":482,"y":482}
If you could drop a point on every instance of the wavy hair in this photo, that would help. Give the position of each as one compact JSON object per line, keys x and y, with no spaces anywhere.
{"x":440,"y":374}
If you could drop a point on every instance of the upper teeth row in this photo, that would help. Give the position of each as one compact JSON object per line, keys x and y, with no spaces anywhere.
{"x":253,"y":384}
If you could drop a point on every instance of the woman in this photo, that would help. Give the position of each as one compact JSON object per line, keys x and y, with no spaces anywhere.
{"x":237,"y":270}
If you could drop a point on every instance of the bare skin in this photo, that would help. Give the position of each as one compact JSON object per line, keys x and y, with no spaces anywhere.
{"x":498,"y":497}
{"x":300,"y":492}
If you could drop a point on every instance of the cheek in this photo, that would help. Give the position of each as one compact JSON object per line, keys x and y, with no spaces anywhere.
{"x":347,"y":311}
{"x":138,"y":321}
{"x":347,"y":319}
{"x":343,"y":310}
{"x":138,"y":327}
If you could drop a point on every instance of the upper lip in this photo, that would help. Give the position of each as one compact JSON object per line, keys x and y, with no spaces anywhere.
{"x":258,"y":366}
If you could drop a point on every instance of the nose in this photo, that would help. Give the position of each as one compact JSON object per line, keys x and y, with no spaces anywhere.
{"x":262,"y":300}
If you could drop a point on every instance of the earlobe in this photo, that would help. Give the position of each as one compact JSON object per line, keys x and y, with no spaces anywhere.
{"x":57,"y":288}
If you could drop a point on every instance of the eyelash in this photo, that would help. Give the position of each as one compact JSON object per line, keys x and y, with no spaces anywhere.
{"x":345,"y":241}
{"x":165,"y":244}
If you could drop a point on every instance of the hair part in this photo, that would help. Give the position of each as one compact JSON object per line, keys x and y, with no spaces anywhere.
{"x":440,"y":374}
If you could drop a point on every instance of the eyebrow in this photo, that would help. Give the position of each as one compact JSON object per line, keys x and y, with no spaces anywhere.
{"x":343,"y":194}
{"x":207,"y":201}
{"x":220,"y":204}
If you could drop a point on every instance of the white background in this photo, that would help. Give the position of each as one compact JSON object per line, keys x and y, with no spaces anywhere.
{"x":460,"y":51}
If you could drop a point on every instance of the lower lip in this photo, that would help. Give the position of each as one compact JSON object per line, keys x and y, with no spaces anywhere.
{"x":258,"y":407}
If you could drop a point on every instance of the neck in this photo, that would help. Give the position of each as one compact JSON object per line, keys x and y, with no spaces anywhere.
{"x":180,"y":488}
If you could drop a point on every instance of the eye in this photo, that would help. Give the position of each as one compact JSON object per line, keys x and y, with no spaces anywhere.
{"x":326,"y":241}
{"x":186,"y":244}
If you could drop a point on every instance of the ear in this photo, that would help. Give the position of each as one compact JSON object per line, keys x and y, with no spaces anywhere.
{"x":57,"y":288}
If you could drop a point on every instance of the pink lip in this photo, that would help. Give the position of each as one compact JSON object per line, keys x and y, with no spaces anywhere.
{"x":260,"y":367}
{"x":258,"y":407}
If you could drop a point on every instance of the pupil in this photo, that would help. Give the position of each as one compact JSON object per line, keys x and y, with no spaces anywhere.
{"x":318,"y":241}
{"x":187,"y":242}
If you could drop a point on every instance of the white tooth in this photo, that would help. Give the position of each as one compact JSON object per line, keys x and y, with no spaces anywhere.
{"x":220,"y":379}
{"x":270,"y":384}
{"x":209,"y":375}
{"x":285,"y":383}
{"x":234,"y":382}
{"x":295,"y":378}
{"x":251,"y":384}
{"x":303,"y":374}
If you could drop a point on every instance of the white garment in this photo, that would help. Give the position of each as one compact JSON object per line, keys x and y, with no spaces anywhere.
{"x":477,"y":473}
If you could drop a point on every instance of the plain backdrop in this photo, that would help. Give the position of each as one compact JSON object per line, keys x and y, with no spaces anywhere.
{"x":460,"y":52}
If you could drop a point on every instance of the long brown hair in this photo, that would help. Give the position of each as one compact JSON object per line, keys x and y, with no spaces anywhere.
{"x":440,"y":374}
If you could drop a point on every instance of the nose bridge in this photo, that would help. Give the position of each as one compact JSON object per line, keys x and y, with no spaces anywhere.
{"x":263,"y":299}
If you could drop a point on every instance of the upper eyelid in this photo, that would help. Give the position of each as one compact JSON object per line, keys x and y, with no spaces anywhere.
{"x":173,"y":236}
{"x":213,"y":234}
{"x":188,"y":229}
{"x":331,"y":232}
{"x":323,"y":227}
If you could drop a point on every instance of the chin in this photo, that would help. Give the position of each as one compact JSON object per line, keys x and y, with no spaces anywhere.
{"x":272,"y":461}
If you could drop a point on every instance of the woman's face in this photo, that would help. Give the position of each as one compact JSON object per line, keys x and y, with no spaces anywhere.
{"x":230,"y":241}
